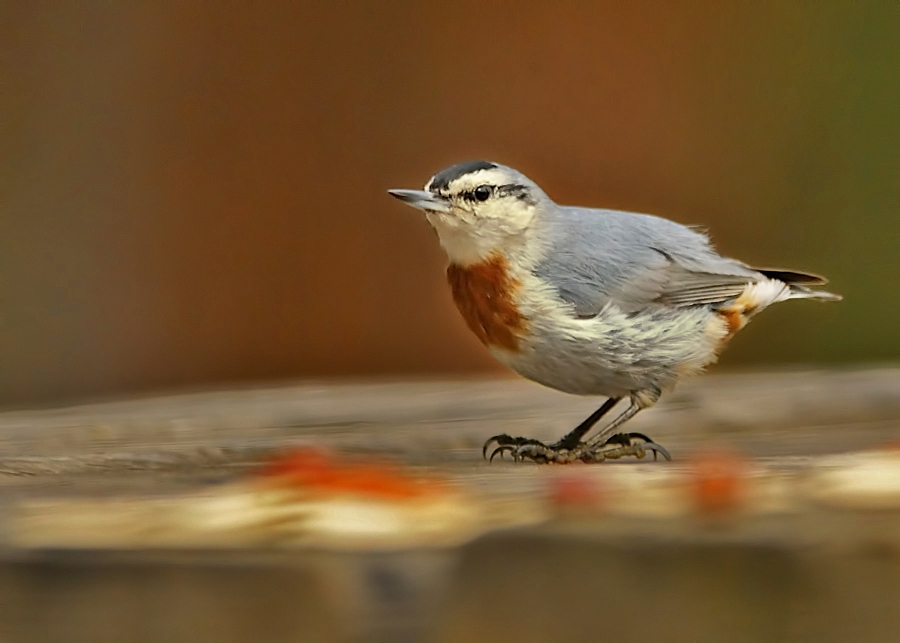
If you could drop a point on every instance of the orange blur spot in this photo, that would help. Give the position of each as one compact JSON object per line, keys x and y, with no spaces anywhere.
{"x":576,"y":492}
{"x":322,"y":472}
{"x":892,"y":447}
{"x":718,"y":481}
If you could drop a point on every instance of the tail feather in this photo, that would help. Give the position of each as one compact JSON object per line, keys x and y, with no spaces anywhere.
{"x":792,"y":277}
{"x":799,"y":284}
{"x":802,"y":292}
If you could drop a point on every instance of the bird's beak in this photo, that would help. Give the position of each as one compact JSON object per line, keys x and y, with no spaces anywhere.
{"x":422,"y":200}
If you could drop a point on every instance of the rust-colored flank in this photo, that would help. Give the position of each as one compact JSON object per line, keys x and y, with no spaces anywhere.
{"x":735,"y":317}
{"x":484,"y":294}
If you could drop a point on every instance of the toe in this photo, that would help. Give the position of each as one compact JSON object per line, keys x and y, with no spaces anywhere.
{"x":658,"y":449}
{"x":533,"y":452}
{"x":500,"y":440}
{"x":517,"y":447}
{"x":503,"y":448}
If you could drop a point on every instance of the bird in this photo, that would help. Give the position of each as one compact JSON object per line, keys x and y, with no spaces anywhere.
{"x":589,"y":301}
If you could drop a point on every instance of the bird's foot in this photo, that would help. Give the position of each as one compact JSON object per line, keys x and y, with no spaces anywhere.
{"x":617,"y":446}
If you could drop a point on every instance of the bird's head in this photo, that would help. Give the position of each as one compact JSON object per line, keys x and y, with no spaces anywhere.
{"x":478,"y":208}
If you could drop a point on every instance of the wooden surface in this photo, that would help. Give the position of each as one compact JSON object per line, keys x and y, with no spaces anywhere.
{"x":536,"y":553}
{"x":441,"y":422}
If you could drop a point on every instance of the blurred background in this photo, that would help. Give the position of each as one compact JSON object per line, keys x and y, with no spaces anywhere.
{"x":193,"y":194}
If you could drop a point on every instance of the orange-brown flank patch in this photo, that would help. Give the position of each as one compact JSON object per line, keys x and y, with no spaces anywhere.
{"x":735,"y":317}
{"x":484,"y":296}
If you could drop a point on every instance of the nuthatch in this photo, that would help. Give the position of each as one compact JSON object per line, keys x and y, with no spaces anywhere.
{"x":589,"y":301}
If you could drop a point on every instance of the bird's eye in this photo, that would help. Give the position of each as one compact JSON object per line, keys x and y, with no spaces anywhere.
{"x":482,"y":192}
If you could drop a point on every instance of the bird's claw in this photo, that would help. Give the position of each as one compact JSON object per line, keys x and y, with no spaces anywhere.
{"x":627,"y":447}
{"x":505,"y":443}
{"x":640,"y":448}
{"x":617,"y":446}
{"x":503,"y":449}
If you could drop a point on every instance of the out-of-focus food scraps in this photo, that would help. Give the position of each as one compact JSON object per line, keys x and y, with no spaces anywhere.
{"x":301,"y":497}
{"x":317,"y":498}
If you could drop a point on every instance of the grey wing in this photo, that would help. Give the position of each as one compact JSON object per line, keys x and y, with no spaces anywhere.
{"x":635,"y":261}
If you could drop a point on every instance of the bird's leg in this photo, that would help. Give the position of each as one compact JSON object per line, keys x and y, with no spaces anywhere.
{"x":570,"y":440}
{"x":573,"y":437}
{"x":626,"y":415}
{"x":571,"y":449}
{"x":618,"y":445}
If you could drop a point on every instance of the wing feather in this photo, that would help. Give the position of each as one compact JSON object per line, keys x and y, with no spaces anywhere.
{"x":636,"y":262}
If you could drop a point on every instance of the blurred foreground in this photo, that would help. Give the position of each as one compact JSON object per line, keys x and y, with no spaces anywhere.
{"x":366,"y":513}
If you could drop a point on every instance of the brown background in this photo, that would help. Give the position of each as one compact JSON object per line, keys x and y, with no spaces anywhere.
{"x":193,"y":193}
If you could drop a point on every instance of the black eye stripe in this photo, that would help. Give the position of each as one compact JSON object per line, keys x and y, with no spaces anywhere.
{"x":520,"y":192}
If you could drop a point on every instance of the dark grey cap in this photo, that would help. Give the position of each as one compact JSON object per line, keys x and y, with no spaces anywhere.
{"x":443,"y":179}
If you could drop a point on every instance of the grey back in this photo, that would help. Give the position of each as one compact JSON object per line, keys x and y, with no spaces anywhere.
{"x":633,"y":260}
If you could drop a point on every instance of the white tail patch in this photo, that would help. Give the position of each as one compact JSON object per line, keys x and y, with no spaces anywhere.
{"x":732,"y":317}
{"x":761,"y":294}
{"x":757,"y":296}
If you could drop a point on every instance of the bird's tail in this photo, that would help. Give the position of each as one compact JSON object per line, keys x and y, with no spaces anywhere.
{"x":800,"y":284}
{"x":802,"y":292}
